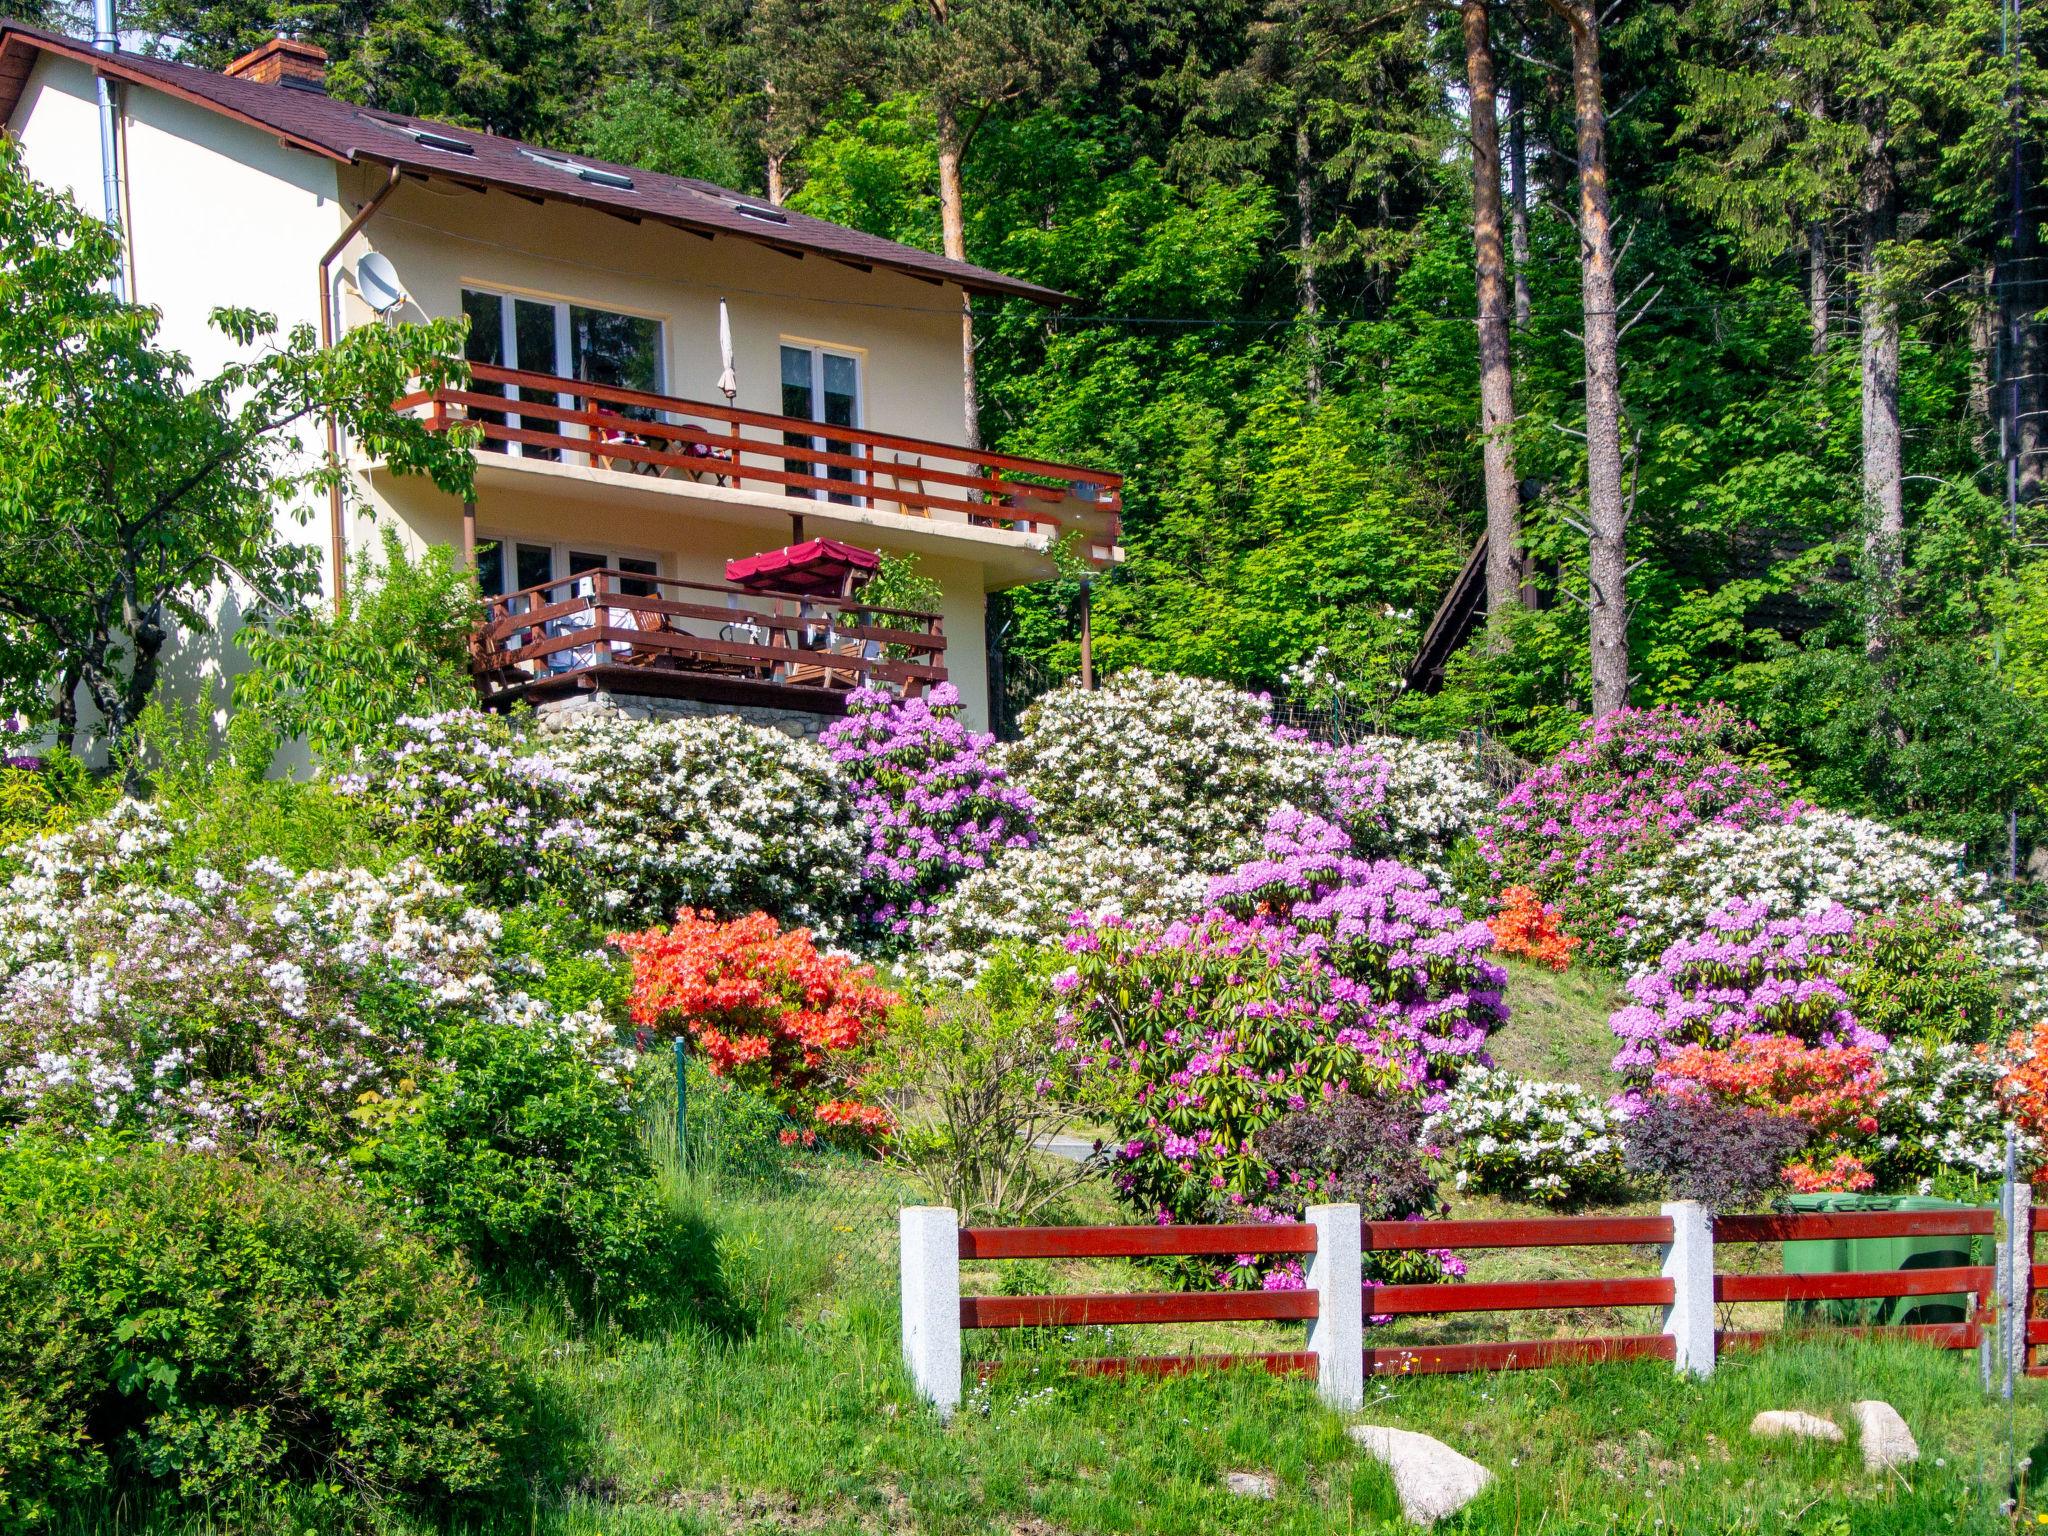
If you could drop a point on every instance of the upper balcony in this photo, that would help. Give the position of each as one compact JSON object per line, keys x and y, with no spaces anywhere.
{"x":848,"y":481}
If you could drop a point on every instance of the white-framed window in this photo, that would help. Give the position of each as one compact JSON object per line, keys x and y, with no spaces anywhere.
{"x":822,"y":384}
{"x":510,"y":563}
{"x":571,"y":341}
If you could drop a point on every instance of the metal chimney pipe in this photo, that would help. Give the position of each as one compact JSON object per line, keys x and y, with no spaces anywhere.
{"x":105,"y":39}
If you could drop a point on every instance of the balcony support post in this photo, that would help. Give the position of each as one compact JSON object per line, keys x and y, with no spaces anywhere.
{"x":469,"y":535}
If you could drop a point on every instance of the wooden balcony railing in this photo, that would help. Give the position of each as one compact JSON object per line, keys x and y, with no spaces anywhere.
{"x":698,"y":639}
{"x":631,"y":431}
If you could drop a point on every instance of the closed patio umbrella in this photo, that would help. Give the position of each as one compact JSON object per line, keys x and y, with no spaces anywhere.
{"x":728,"y":379}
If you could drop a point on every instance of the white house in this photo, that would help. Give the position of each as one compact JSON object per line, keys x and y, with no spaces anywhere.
{"x":617,"y":477}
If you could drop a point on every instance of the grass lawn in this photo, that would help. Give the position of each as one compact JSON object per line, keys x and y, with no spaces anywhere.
{"x":1558,"y":1028}
{"x":808,"y":1425}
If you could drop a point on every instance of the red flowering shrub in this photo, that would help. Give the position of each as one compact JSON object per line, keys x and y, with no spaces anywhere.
{"x":2024,"y":1088}
{"x":1843,"y":1171}
{"x":763,"y":1007}
{"x":1830,"y":1088}
{"x":1525,"y":926}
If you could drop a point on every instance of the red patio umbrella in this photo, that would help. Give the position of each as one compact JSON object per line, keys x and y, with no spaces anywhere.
{"x":814,"y":568}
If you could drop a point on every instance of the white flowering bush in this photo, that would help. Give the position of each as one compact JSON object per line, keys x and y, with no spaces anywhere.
{"x":1941,"y":1114}
{"x":1190,"y":766}
{"x":708,"y":812}
{"x":1821,"y":859}
{"x":1550,"y":1143}
{"x":373,"y":1024}
{"x":224,"y":1012}
{"x":1153,"y":782}
{"x":629,"y":819}
{"x":1034,"y":894}
{"x":1403,"y":799}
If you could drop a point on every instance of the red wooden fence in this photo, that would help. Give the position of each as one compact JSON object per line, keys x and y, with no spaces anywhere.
{"x":1390,"y":1301}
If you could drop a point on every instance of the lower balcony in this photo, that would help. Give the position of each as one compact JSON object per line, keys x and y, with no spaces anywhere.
{"x":712,"y":642}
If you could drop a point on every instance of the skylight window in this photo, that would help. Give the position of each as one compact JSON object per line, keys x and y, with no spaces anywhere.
{"x":426,"y":138}
{"x":597,"y":176}
{"x":756,"y":211}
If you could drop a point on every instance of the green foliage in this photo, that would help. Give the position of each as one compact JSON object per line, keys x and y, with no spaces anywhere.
{"x":59,"y":793}
{"x":400,"y":646}
{"x":529,"y":1158}
{"x":185,"y":1323}
{"x":963,"y":1076}
{"x":1917,"y":975}
{"x":165,"y":485}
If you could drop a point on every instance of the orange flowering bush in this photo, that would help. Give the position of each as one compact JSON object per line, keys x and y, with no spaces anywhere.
{"x":2024,"y":1088}
{"x":763,"y":1008}
{"x":1525,"y":926}
{"x":1842,"y":1172}
{"x":1831,"y":1088}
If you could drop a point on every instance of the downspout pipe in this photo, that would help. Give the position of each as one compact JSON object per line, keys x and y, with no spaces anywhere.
{"x":104,"y":40}
{"x":337,"y":530}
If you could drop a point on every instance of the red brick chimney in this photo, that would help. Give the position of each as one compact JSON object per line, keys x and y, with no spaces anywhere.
{"x":283,"y":61}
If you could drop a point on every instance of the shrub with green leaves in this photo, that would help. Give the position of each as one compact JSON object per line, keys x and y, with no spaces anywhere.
{"x":400,"y":646}
{"x":517,"y":1149}
{"x":377,"y":1024}
{"x":182,"y":1324}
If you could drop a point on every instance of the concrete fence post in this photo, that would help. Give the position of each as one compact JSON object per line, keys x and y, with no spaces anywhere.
{"x":930,"y":1236}
{"x":1689,"y":1266}
{"x":1337,"y":1335}
{"x":2016,"y":1280}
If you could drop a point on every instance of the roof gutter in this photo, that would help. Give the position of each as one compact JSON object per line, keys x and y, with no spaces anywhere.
{"x":337,"y":531}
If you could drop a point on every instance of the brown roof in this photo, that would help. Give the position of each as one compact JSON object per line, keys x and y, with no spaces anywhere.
{"x":342,"y":131}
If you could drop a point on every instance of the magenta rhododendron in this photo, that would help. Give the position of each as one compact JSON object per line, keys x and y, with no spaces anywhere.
{"x":1313,"y":973}
{"x":934,"y":805}
{"x":1633,"y":782}
{"x":1748,"y":974}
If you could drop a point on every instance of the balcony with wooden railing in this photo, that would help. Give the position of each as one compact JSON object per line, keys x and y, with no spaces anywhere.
{"x":708,"y":641}
{"x":812,"y":466}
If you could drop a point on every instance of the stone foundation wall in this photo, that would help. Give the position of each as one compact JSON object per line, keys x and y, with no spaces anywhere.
{"x":557,"y":713}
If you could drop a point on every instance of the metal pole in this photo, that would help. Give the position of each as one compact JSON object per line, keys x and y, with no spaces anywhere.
{"x":682,"y":1107}
{"x":105,"y":39}
{"x":1087,"y":633}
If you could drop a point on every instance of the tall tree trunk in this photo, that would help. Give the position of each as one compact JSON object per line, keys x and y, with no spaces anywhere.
{"x":2022,"y":345}
{"x":1504,"y":562}
{"x":1518,"y":203}
{"x":953,"y":237}
{"x":776,"y":190}
{"x":1883,"y":485}
{"x":1817,"y":284}
{"x":1606,"y":508}
{"x":1307,"y":279}
{"x":1817,"y":254}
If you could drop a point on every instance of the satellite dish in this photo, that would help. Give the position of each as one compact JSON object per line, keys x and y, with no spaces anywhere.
{"x":377,"y":281}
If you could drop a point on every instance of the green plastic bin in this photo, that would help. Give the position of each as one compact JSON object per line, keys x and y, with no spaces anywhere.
{"x":1834,"y":1256}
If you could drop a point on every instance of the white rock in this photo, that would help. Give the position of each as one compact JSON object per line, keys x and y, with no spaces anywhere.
{"x":1886,"y":1440}
{"x":1791,"y":1424}
{"x":1253,"y":1485}
{"x":1432,"y":1479}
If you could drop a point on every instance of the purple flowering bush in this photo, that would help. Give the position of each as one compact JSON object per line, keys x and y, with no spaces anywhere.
{"x":1632,"y":783}
{"x":1749,"y":974}
{"x":1313,"y":974}
{"x":934,"y":804}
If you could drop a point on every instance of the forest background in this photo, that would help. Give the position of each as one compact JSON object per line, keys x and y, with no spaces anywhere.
{"x":1720,"y":318}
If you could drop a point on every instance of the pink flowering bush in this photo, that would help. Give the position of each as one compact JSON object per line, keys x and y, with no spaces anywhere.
{"x":1746,"y":975}
{"x":1313,"y":974}
{"x":1632,"y":783}
{"x":934,"y":805}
